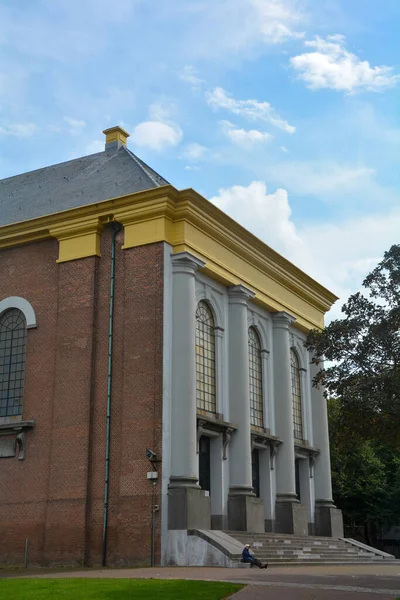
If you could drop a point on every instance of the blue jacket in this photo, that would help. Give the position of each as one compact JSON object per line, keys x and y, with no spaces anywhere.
{"x":246,"y":556}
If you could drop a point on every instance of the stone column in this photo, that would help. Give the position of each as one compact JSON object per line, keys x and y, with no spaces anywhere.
{"x":188,"y":507}
{"x":291,"y":516}
{"x":328,"y":519}
{"x":245,"y":511}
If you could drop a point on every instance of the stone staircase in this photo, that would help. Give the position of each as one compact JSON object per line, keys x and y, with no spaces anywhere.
{"x":279,"y":549}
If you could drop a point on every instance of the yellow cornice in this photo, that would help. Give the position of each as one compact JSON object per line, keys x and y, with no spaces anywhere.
{"x":186,"y":221}
{"x":221,"y":226}
{"x":78,"y":238}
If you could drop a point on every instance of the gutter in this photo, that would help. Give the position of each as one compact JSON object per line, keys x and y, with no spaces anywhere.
{"x":116,"y":229}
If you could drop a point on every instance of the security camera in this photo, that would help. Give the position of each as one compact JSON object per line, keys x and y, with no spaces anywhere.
{"x":152,"y":456}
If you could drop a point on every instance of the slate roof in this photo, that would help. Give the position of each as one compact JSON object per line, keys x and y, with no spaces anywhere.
{"x":75,"y":183}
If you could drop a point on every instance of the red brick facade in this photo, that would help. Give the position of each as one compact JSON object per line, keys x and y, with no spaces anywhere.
{"x":55,"y":496}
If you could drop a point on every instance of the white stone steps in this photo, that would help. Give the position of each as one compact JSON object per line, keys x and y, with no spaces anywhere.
{"x":277,"y":549}
{"x":293,"y":563}
{"x":281,"y":549}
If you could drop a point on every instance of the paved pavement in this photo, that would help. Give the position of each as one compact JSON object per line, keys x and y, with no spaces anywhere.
{"x":351,"y":582}
{"x":270,"y":593}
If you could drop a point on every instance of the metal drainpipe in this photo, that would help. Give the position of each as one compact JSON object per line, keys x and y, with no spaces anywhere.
{"x":117,"y":227}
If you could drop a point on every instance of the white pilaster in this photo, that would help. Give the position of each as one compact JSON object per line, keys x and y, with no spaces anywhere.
{"x":307,"y":404}
{"x":265,"y":389}
{"x":266,"y":487}
{"x":322,"y":469}
{"x":285,"y":462}
{"x":239,"y":393}
{"x":307,"y":489}
{"x":219,"y":359}
{"x":307,"y":435}
{"x":184,"y":459}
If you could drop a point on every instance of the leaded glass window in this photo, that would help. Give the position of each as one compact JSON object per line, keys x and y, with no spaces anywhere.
{"x":205,"y":359}
{"x":12,"y":362}
{"x":296,"y":396}
{"x":255,"y":377}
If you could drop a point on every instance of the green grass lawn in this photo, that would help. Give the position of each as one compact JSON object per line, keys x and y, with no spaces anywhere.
{"x":114,"y":589}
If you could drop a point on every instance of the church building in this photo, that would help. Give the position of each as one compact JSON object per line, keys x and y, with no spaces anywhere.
{"x":154,"y":383}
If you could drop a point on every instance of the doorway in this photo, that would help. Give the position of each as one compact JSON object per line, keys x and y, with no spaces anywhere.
{"x":255,"y":471}
{"x":205,"y":463}
{"x":297,"y":474}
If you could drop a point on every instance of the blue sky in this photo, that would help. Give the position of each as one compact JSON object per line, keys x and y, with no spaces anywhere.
{"x":285,"y":113}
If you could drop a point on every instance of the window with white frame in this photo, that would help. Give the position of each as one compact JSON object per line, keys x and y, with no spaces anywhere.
{"x":12,"y":361}
{"x":296,"y":396}
{"x":255,"y":378}
{"x":205,"y":359}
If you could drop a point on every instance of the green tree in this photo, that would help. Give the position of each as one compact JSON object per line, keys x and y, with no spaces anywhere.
{"x":363,"y":349}
{"x":359,"y":478}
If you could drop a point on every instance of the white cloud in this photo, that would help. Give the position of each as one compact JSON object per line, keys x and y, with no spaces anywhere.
{"x":161,"y":110}
{"x":227,"y":29}
{"x":95,"y":147}
{"x":20,"y":130}
{"x":246,"y":138}
{"x":332,"y":66}
{"x":250,"y":109}
{"x":194,"y":152}
{"x":284,"y":149}
{"x":338,"y":255}
{"x":76,"y":126}
{"x":192,"y":168}
{"x":159,"y":132}
{"x":156,"y":135}
{"x":342,"y":254}
{"x":266,"y":215}
{"x":318,"y":177}
{"x":189,"y":75}
{"x":275,"y":20}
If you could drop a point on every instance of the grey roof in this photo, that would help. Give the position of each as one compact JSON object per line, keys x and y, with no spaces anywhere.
{"x":75,"y":183}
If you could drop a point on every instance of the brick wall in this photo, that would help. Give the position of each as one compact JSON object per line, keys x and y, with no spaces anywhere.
{"x":55,"y":497}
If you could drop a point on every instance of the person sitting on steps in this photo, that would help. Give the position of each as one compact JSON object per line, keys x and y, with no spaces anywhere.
{"x":247,"y":557}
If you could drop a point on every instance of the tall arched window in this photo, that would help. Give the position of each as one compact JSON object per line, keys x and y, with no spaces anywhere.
{"x":12,"y":361}
{"x":256,"y":383}
{"x":205,"y":359}
{"x":296,"y":396}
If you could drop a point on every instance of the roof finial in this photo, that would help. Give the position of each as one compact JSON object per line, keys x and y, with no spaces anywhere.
{"x":115,"y":137}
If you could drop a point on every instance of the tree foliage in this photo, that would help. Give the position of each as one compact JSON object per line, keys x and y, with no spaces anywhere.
{"x":363,"y":349}
{"x":365,"y":477}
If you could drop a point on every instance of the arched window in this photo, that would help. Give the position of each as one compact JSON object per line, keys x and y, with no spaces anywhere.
{"x":12,"y":361}
{"x":256,"y":382}
{"x":296,"y":396}
{"x":205,"y":359}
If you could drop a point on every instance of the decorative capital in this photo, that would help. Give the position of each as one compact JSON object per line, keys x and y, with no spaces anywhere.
{"x":239,"y":294}
{"x":185,"y":262}
{"x":282,"y":320}
{"x":219,"y":332}
{"x":303,"y":372}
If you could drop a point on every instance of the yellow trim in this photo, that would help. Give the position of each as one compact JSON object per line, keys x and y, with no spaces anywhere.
{"x":78,"y":239}
{"x":186,"y":221}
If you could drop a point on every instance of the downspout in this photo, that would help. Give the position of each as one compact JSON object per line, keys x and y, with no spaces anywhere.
{"x":116,"y":228}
